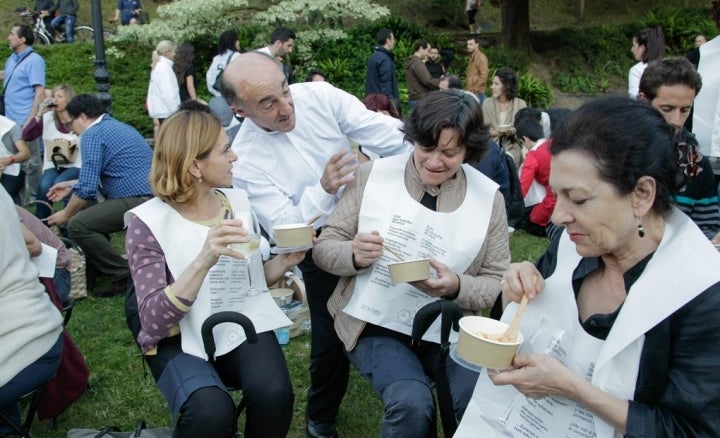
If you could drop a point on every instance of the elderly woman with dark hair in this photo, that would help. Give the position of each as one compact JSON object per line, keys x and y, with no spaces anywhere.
{"x":499,"y":112}
{"x":622,"y":329}
{"x":428,"y":204}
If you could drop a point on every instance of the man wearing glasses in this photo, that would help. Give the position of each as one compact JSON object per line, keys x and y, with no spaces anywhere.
{"x":116,"y":164}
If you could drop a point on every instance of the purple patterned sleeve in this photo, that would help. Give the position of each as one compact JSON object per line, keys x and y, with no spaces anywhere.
{"x":158,"y":313}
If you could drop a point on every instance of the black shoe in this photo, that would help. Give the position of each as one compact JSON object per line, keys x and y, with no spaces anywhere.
{"x":316,"y":429}
{"x":115,"y":289}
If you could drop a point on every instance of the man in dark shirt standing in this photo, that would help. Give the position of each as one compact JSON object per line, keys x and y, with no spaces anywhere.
{"x":438,"y":62}
{"x":381,"y":77}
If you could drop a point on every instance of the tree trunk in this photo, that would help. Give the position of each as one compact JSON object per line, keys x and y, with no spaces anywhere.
{"x":516,"y":25}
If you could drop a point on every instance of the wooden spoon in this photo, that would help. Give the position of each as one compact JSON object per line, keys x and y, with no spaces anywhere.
{"x":511,"y":333}
{"x":396,"y":255}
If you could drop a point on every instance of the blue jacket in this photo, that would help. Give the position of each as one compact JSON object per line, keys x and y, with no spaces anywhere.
{"x":381,"y":76}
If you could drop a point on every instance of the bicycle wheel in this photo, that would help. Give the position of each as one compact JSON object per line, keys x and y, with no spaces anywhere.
{"x":41,"y":38}
{"x":84,"y":33}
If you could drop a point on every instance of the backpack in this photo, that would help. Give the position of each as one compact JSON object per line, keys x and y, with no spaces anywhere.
{"x":516,"y":204}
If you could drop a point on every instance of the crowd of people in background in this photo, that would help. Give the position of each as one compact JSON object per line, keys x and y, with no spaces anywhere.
{"x":472,"y":167}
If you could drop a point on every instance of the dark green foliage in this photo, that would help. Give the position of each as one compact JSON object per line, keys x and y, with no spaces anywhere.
{"x":595,"y":59}
{"x":680,"y":26}
{"x":534,"y":92}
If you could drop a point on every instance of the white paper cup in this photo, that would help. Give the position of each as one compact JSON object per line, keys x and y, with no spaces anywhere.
{"x":481,"y":351}
{"x":282,"y":296}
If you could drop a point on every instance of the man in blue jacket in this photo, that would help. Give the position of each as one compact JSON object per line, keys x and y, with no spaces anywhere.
{"x":381,"y":76}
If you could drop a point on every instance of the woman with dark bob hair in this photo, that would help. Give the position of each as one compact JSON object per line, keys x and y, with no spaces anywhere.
{"x":622,"y":334}
{"x":191,"y":255}
{"x":499,"y":112}
{"x":424,"y":205}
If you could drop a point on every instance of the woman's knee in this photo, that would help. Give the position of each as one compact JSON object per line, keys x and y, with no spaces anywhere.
{"x":409,"y":400}
{"x":276,"y":393}
{"x":208,"y":412}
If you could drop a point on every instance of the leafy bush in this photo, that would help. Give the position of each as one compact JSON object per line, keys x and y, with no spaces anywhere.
{"x":680,"y":26}
{"x":535,"y":92}
{"x":592,"y":60}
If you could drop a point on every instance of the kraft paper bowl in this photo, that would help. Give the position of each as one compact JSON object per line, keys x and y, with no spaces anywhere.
{"x":293,"y":235}
{"x":411,"y":270}
{"x":282,"y":296}
{"x":481,"y":351}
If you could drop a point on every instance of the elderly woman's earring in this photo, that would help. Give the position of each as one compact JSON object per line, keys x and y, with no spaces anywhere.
{"x":641,"y":231}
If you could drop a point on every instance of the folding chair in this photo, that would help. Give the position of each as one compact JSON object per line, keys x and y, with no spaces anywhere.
{"x":209,"y":342}
{"x":450,"y":314}
{"x":23,"y":430}
{"x":133,"y":321}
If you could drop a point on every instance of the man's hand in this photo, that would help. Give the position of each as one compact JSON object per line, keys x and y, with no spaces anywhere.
{"x":338,"y":171}
{"x":58,"y":218}
{"x":59,"y":191}
{"x":367,"y":249}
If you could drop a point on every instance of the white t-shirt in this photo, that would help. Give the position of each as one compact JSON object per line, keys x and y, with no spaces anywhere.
{"x":218,"y":63}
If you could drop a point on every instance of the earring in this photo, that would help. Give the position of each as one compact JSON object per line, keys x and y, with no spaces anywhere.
{"x":641,"y":231}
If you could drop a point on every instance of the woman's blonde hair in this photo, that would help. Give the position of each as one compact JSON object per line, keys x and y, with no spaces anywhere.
{"x":184,"y":137}
{"x":162,"y":48}
{"x":69,"y":94}
{"x":67,"y":89}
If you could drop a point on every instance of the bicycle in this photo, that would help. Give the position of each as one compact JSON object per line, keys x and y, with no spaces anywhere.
{"x":47,"y":37}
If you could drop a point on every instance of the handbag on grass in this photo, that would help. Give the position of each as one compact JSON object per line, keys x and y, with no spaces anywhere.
{"x":141,"y":431}
{"x":78,"y":268}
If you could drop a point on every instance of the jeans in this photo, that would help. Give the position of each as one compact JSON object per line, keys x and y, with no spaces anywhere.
{"x":402,"y":377}
{"x":62,"y":280}
{"x":49,"y":178}
{"x":30,"y":378}
{"x":481,"y":98}
{"x":32,"y":169}
{"x":69,"y":21}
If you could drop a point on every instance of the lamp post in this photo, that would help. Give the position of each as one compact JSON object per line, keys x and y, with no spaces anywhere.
{"x":101,"y":74}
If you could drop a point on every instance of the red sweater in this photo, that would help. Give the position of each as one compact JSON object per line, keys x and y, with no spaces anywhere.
{"x":537,"y":167}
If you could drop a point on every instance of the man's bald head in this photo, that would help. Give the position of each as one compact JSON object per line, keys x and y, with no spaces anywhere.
{"x":255,"y":87}
{"x":244,"y":72}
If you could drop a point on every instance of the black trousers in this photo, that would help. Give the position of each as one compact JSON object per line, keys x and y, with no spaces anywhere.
{"x":329,"y":365}
{"x":258,"y":369}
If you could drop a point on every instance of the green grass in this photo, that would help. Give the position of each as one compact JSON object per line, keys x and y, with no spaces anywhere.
{"x":119,"y":394}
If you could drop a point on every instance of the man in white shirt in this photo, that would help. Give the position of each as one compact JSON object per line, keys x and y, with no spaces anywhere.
{"x":294,"y":158}
{"x":282,"y":41}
